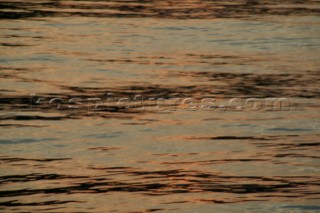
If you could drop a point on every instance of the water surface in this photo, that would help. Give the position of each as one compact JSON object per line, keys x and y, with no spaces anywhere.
{"x":117,"y":159}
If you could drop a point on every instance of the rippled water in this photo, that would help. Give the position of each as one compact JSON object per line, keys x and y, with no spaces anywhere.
{"x":111,"y":158}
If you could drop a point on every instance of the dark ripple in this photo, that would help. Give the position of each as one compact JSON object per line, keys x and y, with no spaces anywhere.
{"x":178,"y":9}
{"x":167,"y":182}
{"x":53,"y":202}
{"x":264,"y":85}
{"x":26,"y":140}
{"x":34,"y":177}
{"x":9,"y":159}
{"x":240,"y":85}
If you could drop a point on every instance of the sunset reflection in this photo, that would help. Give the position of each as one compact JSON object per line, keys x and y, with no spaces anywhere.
{"x":169,"y":106}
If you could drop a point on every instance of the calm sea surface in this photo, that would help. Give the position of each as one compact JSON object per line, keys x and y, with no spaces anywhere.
{"x":67,"y":145}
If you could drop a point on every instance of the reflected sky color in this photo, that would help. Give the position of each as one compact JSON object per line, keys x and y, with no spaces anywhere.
{"x":132,"y":160}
